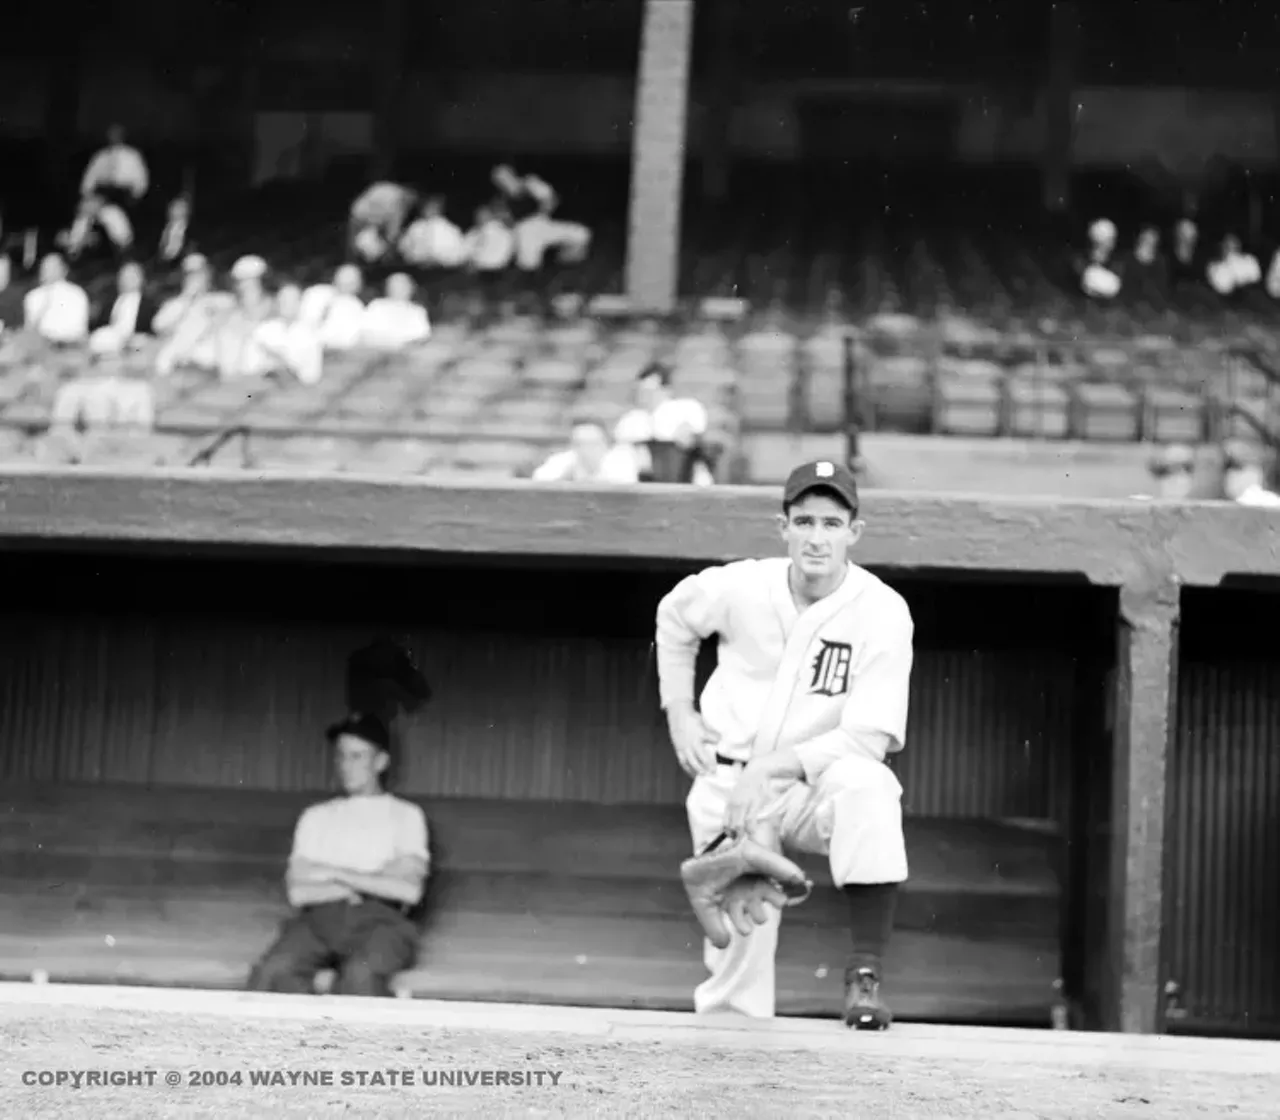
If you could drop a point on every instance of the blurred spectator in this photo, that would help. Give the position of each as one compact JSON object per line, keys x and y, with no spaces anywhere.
{"x":1233,"y":270}
{"x":490,"y":244}
{"x":1273,"y":276}
{"x":396,"y":319}
{"x":1099,"y":277}
{"x":531,"y":202}
{"x":1243,"y":477}
{"x":336,"y":310}
{"x":107,"y":397}
{"x":1173,"y":471}
{"x":98,"y":224}
{"x":1186,"y":251}
{"x":378,"y":217}
{"x":129,"y":317}
{"x":665,"y":432}
{"x":188,"y":323}
{"x":589,"y":458}
{"x":285,"y":343}
{"x":117,"y":173}
{"x":1146,"y":250}
{"x":432,"y":241}
{"x":56,"y":311}
{"x":177,"y":227}
{"x":237,"y":352}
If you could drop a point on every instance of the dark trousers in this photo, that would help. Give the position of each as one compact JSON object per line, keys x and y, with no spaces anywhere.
{"x":367,"y":942}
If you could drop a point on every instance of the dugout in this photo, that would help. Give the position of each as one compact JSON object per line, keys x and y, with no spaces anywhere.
{"x":169,"y":667}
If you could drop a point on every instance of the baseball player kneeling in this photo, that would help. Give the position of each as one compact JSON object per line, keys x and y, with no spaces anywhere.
{"x":809,"y":697}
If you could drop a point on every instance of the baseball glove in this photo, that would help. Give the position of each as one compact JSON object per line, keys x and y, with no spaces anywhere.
{"x":738,"y":879}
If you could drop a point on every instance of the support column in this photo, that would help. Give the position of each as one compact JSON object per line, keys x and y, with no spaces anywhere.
{"x":1059,"y":97}
{"x":1147,"y":642}
{"x":657,"y":155}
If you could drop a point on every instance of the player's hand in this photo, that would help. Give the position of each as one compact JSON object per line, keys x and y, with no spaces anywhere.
{"x":747,"y":799}
{"x":695,"y":745}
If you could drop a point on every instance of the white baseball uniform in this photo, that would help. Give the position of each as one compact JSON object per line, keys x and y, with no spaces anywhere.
{"x":806,"y":680}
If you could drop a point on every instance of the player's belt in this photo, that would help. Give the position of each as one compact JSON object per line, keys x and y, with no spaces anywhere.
{"x":725,"y":760}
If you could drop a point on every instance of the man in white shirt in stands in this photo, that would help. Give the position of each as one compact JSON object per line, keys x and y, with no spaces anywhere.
{"x":286,"y":344}
{"x":432,"y":241}
{"x":97,"y":218}
{"x":336,"y":310}
{"x":397,"y":319}
{"x":663,"y":420}
{"x":357,"y":870}
{"x":532,"y":201}
{"x":117,"y":172}
{"x":589,"y":458}
{"x":489,"y":244}
{"x":57,"y":311}
{"x":1243,"y":478}
{"x":126,"y":322}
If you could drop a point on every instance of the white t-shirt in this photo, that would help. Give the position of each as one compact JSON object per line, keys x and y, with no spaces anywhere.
{"x":337,"y":316}
{"x":361,"y":834}
{"x":618,"y":466}
{"x":58,"y":312}
{"x":389,"y":324}
{"x":433,"y":242}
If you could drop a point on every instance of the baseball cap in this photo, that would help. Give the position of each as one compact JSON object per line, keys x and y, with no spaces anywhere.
{"x":368,"y":728}
{"x":822,"y":475}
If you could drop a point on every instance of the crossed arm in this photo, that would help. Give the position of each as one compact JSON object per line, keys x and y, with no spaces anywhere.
{"x":399,"y":880}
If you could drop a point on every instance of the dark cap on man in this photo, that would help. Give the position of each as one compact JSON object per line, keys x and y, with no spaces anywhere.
{"x":823,"y":475}
{"x":367,"y":728}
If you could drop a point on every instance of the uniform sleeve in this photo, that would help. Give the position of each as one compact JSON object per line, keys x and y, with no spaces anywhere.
{"x":411,"y":834}
{"x":696,"y":608}
{"x":874,"y":719}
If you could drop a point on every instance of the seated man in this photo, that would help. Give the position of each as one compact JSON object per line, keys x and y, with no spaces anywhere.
{"x":336,"y":310}
{"x":666,"y":428}
{"x":127,"y":320}
{"x":532,"y":201}
{"x":589,"y":459}
{"x":286,"y":345}
{"x":396,"y":319}
{"x":177,"y":231}
{"x":57,"y":311}
{"x":188,"y":323}
{"x":377,"y":218}
{"x":1234,"y":270}
{"x":432,"y":241}
{"x":1099,"y":273}
{"x":357,"y":870}
{"x":98,"y":224}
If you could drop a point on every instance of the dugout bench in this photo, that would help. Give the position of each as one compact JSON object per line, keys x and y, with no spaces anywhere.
{"x":530,"y":902}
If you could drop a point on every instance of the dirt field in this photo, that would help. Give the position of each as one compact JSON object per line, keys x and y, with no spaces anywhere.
{"x":640,"y":1072}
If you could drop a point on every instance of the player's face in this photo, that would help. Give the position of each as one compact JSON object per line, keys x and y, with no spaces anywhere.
{"x":819,"y":532}
{"x":360,"y":764}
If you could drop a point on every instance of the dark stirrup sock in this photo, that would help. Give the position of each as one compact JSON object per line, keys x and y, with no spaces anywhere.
{"x":871,"y":910}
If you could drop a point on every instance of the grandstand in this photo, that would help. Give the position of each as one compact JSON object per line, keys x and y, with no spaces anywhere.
{"x":817,"y":303}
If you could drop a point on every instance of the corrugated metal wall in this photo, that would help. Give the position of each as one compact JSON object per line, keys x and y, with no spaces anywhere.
{"x":1222,"y":937}
{"x":230,"y":702}
{"x":224,"y":674}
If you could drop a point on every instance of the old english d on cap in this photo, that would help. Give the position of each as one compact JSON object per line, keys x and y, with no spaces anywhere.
{"x":822,"y":475}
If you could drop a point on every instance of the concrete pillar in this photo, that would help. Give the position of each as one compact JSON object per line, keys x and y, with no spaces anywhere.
{"x":1145,"y":695}
{"x":657,"y":156}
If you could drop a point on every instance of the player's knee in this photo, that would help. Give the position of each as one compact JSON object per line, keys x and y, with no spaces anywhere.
{"x":862,"y":777}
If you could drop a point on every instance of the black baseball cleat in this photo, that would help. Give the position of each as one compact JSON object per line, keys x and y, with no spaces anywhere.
{"x":864,"y":1010}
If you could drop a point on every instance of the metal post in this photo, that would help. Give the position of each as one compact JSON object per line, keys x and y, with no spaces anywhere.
{"x":852,"y":411}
